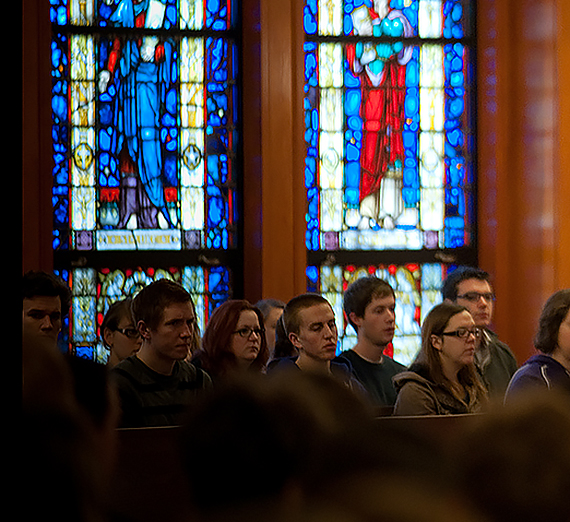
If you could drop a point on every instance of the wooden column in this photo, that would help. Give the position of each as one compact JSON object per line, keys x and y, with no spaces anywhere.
{"x":36,"y":145}
{"x":275,"y":255}
{"x":562,"y":170}
{"x":523,"y":242}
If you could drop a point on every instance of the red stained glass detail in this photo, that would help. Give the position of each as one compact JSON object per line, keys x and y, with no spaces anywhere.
{"x":110,"y":195}
{"x":171,"y":194}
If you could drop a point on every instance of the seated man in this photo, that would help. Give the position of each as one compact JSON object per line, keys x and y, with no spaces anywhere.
{"x":156,"y":384}
{"x":471,"y":287}
{"x":311,"y":327}
{"x":369,"y":304}
{"x":45,"y":300}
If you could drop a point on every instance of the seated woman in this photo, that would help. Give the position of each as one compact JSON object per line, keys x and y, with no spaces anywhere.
{"x":233,"y":341}
{"x":283,"y":346}
{"x":272,"y":310}
{"x":119,"y":332}
{"x":550,"y":369}
{"x":443,"y":379}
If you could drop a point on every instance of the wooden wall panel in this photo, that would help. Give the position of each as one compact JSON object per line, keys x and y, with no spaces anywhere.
{"x":522,"y":242}
{"x":279,"y":236}
{"x":36,"y":146}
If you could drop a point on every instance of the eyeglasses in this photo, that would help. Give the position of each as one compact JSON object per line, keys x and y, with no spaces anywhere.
{"x":245,"y":332}
{"x":475,"y":296}
{"x":464,"y":333}
{"x":131,"y":333}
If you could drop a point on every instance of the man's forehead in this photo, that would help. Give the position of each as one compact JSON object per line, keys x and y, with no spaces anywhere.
{"x":178,"y":310}
{"x":382,"y":300}
{"x":316,"y":313}
{"x":473,"y":285}
{"x":45,"y":303}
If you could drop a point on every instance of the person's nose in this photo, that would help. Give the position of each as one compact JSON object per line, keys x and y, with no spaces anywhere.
{"x":330,"y":331}
{"x":471,"y":337}
{"x":46,"y":323}
{"x":187,"y":330}
{"x":483,"y":299}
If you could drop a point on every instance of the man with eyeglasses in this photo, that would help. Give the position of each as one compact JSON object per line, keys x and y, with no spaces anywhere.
{"x":156,"y":385}
{"x":471,"y":288}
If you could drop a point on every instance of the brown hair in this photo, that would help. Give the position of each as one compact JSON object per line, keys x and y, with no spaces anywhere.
{"x":360,"y":294}
{"x":553,"y":313}
{"x":149,"y":304}
{"x":434,"y":324}
{"x":295,"y":305}
{"x":215,"y":355}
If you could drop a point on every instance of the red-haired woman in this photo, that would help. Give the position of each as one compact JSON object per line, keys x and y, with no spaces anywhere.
{"x":234,"y":341}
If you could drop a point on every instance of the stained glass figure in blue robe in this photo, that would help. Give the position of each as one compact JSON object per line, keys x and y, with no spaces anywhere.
{"x":140,"y":69}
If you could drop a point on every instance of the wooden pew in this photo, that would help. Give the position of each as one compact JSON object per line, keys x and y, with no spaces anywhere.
{"x":440,"y":427}
{"x":148,"y":483}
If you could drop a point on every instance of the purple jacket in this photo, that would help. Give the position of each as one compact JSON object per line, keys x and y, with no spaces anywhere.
{"x":539,"y":371}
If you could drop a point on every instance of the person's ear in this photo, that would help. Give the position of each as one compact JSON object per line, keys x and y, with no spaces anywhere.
{"x":436,"y":342}
{"x":357,"y":321}
{"x":108,"y":336}
{"x":144,"y":330}
{"x":294,"y":338}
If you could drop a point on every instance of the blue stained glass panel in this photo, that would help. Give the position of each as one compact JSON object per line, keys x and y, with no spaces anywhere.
{"x":144,"y":125}
{"x":417,"y":288}
{"x":93,"y":291}
{"x":406,"y":123}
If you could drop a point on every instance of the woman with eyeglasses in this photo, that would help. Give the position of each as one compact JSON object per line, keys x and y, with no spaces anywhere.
{"x":233,"y":341}
{"x":119,"y":333}
{"x":443,"y":379}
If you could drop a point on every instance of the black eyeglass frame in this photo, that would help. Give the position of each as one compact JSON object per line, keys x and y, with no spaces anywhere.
{"x":473,"y":297}
{"x":464,"y":333}
{"x":245,"y":332}
{"x":133,"y":333}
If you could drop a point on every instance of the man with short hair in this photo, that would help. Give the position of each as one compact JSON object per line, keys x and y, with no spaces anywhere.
{"x":369,"y":305}
{"x":157,"y":385}
{"x":471,"y":287}
{"x":45,"y":301}
{"x":311,"y":327}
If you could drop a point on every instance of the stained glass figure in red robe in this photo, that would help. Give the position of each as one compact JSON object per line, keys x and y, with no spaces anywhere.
{"x":381,"y":67}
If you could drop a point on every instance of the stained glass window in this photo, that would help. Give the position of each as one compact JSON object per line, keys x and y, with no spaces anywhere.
{"x":144,"y":122}
{"x":417,"y":288}
{"x":93,"y":291}
{"x":144,"y":132}
{"x":389,"y":131}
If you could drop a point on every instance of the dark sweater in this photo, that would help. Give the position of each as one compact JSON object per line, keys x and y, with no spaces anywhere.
{"x":495,"y":363}
{"x":375,"y":377}
{"x":340,"y":370}
{"x":149,"y":398}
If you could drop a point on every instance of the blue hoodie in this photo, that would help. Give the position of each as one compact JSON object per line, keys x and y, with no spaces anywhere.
{"x":539,"y":371}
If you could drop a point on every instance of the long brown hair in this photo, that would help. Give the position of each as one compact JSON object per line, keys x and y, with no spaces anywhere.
{"x":434,"y":324}
{"x":216,"y":355}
